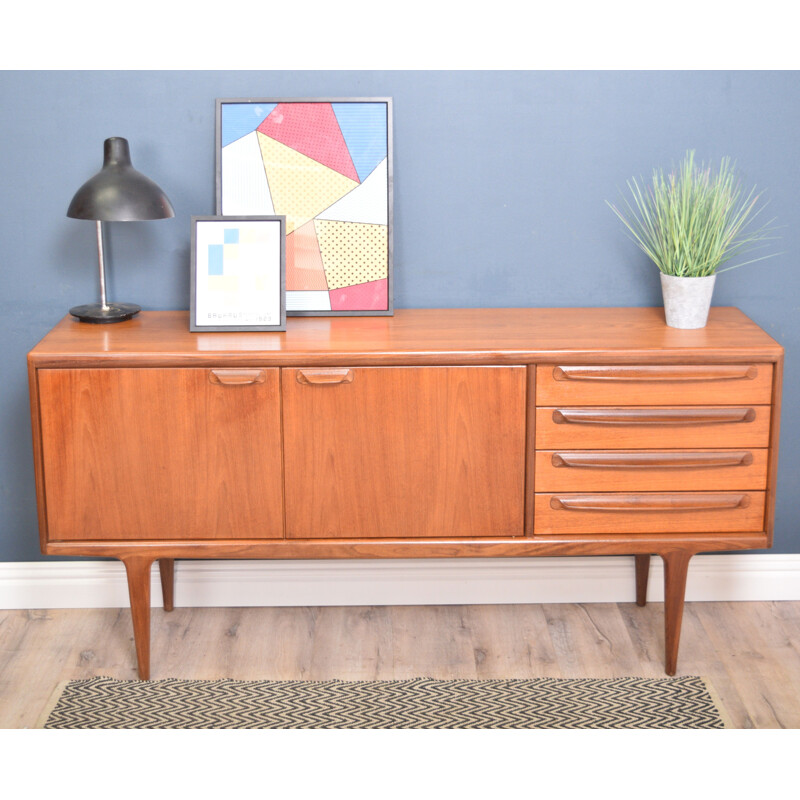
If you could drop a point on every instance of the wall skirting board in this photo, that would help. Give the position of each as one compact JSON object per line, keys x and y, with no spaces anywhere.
{"x":102,"y":584}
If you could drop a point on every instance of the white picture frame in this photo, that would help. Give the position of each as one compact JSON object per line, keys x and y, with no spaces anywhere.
{"x":238,"y":273}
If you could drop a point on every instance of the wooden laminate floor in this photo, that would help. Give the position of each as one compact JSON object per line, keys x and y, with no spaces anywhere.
{"x":749,"y":651}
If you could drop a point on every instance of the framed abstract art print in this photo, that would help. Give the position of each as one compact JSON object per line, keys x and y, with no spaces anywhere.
{"x":326,"y":166}
{"x":238,"y":274}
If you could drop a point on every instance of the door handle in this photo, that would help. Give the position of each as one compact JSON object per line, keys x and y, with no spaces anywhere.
{"x":652,"y":416}
{"x":654,"y":460}
{"x":324,"y":377}
{"x":699,"y":372}
{"x":688,"y":501}
{"x":236,"y":377}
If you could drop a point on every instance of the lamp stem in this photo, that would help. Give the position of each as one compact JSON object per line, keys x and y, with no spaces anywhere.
{"x":101,"y":260}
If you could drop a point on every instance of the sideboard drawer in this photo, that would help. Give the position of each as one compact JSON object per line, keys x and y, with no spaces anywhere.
{"x":588,"y":428}
{"x":646,"y":385}
{"x":648,"y":512}
{"x":650,"y":470}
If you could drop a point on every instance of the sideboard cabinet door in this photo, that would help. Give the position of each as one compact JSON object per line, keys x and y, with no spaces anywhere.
{"x":400,"y":452}
{"x":132,"y":454}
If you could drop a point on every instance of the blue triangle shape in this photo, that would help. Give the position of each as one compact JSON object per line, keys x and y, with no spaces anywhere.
{"x":239,"y":119}
{"x":365,"y":130}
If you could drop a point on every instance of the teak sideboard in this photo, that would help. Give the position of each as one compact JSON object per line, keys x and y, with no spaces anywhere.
{"x":432,"y":433}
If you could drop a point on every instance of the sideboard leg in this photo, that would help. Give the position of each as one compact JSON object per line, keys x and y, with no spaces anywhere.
{"x":642,"y":575}
{"x":166,"y":567}
{"x":138,"y":569}
{"x":676,"y":567}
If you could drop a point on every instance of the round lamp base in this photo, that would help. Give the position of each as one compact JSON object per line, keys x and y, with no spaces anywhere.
{"x":113,"y":312}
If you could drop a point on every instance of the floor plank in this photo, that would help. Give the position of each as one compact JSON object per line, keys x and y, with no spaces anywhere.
{"x":432,"y":642}
{"x":351,"y":641}
{"x":699,"y":656}
{"x":513,"y":643}
{"x":767,"y":684}
{"x":592,"y":640}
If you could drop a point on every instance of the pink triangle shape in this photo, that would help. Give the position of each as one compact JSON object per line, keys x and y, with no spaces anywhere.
{"x":311,"y":129}
{"x":372,"y":296}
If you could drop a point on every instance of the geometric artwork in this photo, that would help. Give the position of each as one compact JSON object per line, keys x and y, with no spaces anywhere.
{"x":238,"y":274}
{"x":324,"y":165}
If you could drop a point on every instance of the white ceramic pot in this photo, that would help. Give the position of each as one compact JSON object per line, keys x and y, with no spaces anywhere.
{"x":687,"y":300}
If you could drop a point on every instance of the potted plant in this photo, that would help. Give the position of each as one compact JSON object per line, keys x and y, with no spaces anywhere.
{"x":691,"y":222}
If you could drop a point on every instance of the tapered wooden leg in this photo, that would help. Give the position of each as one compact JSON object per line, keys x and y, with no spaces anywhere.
{"x":138,"y":569}
{"x":166,"y":566}
{"x":642,"y":575}
{"x":676,"y":567}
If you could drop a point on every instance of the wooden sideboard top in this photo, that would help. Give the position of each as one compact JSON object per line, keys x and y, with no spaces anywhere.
{"x":416,"y":336}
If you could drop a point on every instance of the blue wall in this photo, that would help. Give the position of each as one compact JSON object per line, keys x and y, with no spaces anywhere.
{"x":500,"y":187}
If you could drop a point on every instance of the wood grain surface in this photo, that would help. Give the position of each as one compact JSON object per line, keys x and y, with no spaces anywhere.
{"x":160,"y":454}
{"x":419,"y":336}
{"x":650,"y":470}
{"x":713,"y":384}
{"x":652,"y":427}
{"x":395,"y":452}
{"x":569,"y":544}
{"x":647,"y":513}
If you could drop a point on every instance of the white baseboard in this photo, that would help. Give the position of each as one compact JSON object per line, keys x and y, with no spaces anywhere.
{"x":102,"y":584}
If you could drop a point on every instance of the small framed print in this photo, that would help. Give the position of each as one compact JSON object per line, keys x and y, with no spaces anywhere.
{"x":238,"y":273}
{"x":326,"y":165}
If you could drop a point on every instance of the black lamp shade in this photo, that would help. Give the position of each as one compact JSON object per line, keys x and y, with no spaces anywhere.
{"x":119,"y":193}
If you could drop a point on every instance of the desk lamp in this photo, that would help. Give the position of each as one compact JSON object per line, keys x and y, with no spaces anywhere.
{"x":118,"y":193}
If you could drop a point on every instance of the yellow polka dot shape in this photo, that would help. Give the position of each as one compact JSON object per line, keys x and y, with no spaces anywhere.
{"x":352,"y":252}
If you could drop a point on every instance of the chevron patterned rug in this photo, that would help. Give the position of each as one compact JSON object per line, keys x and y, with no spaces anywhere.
{"x":685,"y":702}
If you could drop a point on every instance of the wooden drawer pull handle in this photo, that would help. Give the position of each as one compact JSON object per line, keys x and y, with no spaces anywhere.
{"x":651,"y":416}
{"x":324,"y":377}
{"x":722,"y":372}
{"x":656,"y":460}
{"x":236,"y":377}
{"x":649,"y":502}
